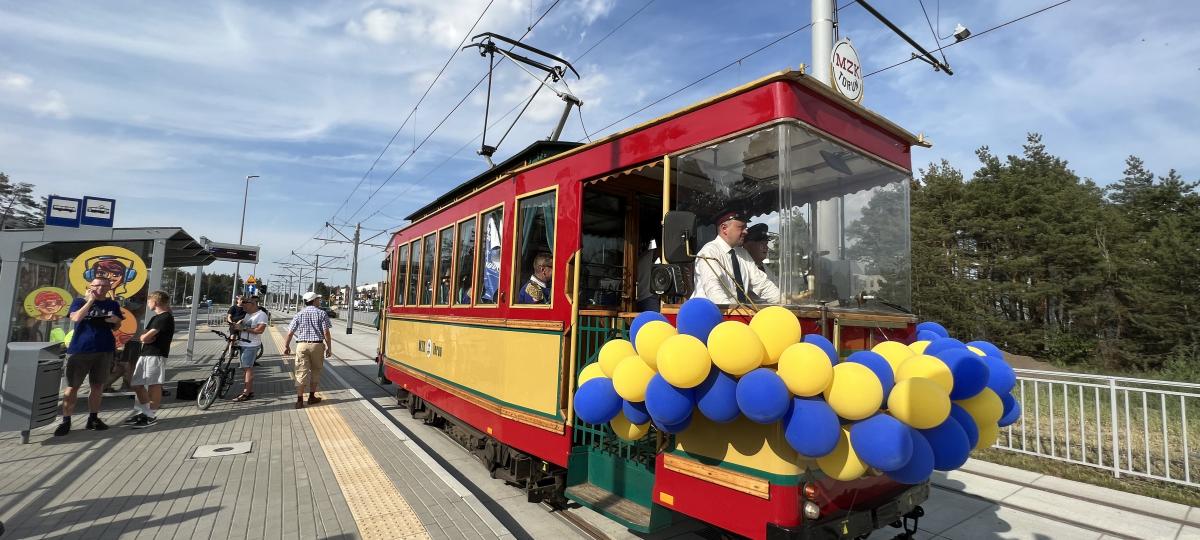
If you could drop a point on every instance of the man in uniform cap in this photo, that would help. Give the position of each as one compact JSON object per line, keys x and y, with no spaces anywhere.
{"x":725,"y":271}
{"x":756,"y":245}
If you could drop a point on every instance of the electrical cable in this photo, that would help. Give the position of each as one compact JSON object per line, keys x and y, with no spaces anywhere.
{"x":936,"y":38}
{"x":614,"y":30}
{"x":973,"y":36}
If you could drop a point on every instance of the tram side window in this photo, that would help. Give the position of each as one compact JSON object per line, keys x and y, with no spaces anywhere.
{"x":401,"y":275}
{"x":488,"y":272}
{"x":466,"y":261}
{"x":414,"y":272}
{"x":445,"y":258}
{"x":535,"y":249}
{"x":427,"y":270}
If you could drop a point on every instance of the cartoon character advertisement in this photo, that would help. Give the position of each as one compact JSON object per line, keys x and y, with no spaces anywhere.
{"x":126,"y":275}
{"x":47,"y":303}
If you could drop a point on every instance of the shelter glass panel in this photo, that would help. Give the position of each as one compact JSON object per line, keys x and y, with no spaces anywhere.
{"x":535,"y":249}
{"x":445,"y":260}
{"x":427,"y":270}
{"x":465,"y":262}
{"x":490,"y":239}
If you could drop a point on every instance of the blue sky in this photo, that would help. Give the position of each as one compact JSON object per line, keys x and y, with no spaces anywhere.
{"x":167,"y":106}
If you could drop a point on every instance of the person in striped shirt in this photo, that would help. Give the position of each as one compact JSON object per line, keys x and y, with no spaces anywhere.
{"x":310,"y":327}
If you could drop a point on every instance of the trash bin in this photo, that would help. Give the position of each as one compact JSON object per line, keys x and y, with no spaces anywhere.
{"x":29,"y":386}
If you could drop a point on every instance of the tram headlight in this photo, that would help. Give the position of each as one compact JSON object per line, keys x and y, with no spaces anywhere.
{"x":811,"y":510}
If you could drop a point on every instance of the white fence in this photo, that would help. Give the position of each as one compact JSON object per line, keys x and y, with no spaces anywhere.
{"x":1136,"y":427}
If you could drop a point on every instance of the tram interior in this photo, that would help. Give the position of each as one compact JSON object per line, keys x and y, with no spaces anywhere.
{"x":621,"y":220}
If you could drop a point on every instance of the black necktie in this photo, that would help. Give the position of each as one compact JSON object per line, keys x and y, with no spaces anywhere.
{"x":737,"y":277}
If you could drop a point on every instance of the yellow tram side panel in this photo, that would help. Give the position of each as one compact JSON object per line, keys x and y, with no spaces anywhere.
{"x":517,"y":368}
{"x":742,"y":446}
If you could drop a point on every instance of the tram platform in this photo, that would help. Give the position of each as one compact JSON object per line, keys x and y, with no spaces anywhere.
{"x":332,"y":470}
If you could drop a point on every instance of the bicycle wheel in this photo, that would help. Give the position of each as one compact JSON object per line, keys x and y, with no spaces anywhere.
{"x":226,"y":382}
{"x":208,"y":392}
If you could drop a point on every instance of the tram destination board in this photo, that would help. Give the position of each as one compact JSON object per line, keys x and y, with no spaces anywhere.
{"x":233,"y":252}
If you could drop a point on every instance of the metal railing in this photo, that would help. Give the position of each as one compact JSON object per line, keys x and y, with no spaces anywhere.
{"x":1134,"y":427}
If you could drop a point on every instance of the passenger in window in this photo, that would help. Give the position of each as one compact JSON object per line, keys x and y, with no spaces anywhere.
{"x":646,"y":299}
{"x":725,"y":272}
{"x":537,"y":290}
{"x":463,"y":296}
{"x":756,"y":245}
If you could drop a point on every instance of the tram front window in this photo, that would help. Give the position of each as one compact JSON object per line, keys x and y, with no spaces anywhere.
{"x":826,"y":223}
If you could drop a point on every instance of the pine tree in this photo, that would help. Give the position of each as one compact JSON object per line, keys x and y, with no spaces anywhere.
{"x":18,"y":208}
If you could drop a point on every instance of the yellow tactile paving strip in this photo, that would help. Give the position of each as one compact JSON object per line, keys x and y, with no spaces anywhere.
{"x":379,"y":509}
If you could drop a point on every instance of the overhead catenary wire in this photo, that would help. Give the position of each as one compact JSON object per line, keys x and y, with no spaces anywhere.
{"x":413,"y":111}
{"x":973,"y":36}
{"x":936,"y":37}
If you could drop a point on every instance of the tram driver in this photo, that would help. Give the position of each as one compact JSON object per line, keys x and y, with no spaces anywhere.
{"x":725,"y":271}
{"x":537,"y":290}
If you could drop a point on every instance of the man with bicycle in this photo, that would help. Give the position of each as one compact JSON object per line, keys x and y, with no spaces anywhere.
{"x":251,"y":326}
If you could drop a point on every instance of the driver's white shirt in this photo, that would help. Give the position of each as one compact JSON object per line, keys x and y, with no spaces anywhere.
{"x":714,"y":275}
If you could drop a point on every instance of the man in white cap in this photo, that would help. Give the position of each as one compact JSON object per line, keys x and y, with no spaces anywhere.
{"x":310,"y":327}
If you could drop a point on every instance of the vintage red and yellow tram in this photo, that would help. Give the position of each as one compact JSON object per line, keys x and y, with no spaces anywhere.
{"x":506,"y":286}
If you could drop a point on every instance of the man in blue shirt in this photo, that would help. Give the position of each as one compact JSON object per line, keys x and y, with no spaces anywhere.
{"x":91,"y":351}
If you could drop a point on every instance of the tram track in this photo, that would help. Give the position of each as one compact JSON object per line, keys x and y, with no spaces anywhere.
{"x":567,"y":516}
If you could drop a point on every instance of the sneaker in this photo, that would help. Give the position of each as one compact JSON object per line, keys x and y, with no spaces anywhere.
{"x":63,"y":428}
{"x":144,"y":422}
{"x":133,"y":418}
{"x":96,"y":424}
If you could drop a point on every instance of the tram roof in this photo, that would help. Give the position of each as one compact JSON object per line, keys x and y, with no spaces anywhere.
{"x":541,"y":152}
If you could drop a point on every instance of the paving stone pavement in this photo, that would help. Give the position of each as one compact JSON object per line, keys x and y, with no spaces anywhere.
{"x":127,"y":483}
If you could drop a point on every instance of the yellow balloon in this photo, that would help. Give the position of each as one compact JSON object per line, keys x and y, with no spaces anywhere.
{"x":927,"y":367}
{"x":626,"y":430}
{"x":735,"y":348}
{"x":894,"y":352}
{"x":920,"y":403}
{"x":987,"y":436}
{"x":842,"y":463}
{"x":918,"y":347}
{"x":976,"y":350}
{"x":985,"y":407}
{"x":778,"y":329}
{"x":591,"y":371}
{"x":855,"y":392}
{"x":805,"y":369}
{"x":683,"y":361}
{"x":651,"y":337}
{"x":612,"y":353}
{"x":631,"y":377}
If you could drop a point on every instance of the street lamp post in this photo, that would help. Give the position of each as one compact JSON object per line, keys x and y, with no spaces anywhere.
{"x":241,"y":232}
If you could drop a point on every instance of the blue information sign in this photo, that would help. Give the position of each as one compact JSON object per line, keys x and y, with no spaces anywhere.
{"x":63,"y":211}
{"x":98,"y":211}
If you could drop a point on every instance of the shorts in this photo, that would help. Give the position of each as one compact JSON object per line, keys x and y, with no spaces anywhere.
{"x":149,"y":371}
{"x":93,"y":365}
{"x":310,"y":360}
{"x":249,"y":352}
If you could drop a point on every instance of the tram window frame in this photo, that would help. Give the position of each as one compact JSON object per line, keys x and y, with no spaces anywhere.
{"x":458,"y":263}
{"x":413,"y":285}
{"x":438,"y":270}
{"x":401,"y":278}
{"x":518,"y":277}
{"x":481,"y":260}
{"x":428,"y":252}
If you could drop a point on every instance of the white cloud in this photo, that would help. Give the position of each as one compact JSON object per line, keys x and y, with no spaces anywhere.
{"x":595,"y":9}
{"x":380,"y":25}
{"x":14,"y":81}
{"x":52,"y":104}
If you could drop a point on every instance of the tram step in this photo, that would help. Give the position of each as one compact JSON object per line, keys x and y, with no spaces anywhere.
{"x":614,"y":506}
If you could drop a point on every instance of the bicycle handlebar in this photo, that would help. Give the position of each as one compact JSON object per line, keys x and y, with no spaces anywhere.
{"x":227,"y":336}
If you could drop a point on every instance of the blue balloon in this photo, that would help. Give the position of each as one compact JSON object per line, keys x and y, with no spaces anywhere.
{"x":1012,"y":410}
{"x":597,"y":402}
{"x":919,"y":467}
{"x":697,"y":317}
{"x":717,"y":397}
{"x":676,"y":427}
{"x":825,"y":345}
{"x":643,"y":318}
{"x":927,"y":335}
{"x":668,"y":404}
{"x":987,"y":348}
{"x":635,"y":412}
{"x":811,"y":427}
{"x":882,"y":442}
{"x":933,"y":327}
{"x":762,"y":396}
{"x":878,"y":365}
{"x":949,"y":443}
{"x":967,"y":422}
{"x":1001,"y":377}
{"x":944,"y":343}
{"x":969,"y":370}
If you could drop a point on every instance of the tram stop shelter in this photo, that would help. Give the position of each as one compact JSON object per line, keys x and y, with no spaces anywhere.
{"x":43,"y":270}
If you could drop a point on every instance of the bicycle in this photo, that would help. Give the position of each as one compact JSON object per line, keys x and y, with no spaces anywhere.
{"x":221,"y":379}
